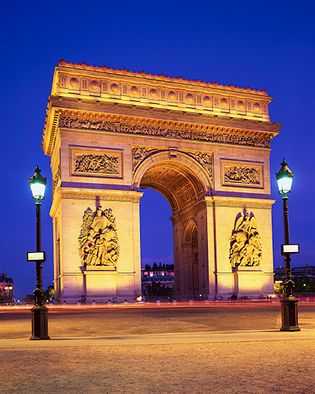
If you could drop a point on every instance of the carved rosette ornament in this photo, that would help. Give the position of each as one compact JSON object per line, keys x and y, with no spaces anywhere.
{"x":245,"y":243}
{"x":98,"y":240}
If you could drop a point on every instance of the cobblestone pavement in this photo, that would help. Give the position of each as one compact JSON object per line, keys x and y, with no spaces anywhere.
{"x":159,"y":350}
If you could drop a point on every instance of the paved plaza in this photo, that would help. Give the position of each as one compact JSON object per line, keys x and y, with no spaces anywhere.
{"x":183,"y":348}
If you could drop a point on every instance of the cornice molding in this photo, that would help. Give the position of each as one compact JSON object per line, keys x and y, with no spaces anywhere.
{"x":105,"y":194}
{"x":97,"y":108}
{"x":219,"y":201}
{"x":80,"y":193}
{"x":204,"y":129}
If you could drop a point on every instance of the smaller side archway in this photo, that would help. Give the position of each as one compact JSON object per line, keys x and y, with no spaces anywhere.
{"x":194,"y":277}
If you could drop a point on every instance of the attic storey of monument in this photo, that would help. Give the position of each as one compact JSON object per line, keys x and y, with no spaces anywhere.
{"x":204,"y":146}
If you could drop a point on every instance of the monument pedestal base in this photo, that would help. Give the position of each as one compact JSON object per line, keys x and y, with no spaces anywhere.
{"x":289,"y":314}
{"x":39,"y":322}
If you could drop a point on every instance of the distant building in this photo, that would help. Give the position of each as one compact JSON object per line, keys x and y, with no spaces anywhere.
{"x":6,"y":289}
{"x":307,"y":271}
{"x":303,"y":277}
{"x":158,"y":280}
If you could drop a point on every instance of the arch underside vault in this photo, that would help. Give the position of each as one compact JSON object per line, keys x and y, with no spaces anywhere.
{"x":176,"y":183}
{"x":185,"y":193}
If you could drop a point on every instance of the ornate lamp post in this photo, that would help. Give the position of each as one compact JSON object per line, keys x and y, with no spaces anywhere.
{"x":289,"y":310}
{"x":39,"y":310}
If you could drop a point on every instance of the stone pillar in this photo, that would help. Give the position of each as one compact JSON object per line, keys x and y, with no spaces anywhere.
{"x":190,"y":252}
{"x":251,"y":280}
{"x":98,"y":282}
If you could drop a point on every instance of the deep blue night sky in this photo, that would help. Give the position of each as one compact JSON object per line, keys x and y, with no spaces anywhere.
{"x":264,"y":45}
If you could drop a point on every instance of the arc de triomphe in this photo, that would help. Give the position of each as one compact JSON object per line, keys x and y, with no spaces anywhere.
{"x":204,"y":146}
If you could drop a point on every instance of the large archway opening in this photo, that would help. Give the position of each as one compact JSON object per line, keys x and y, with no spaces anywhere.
{"x":157,"y":254}
{"x":185,"y":192}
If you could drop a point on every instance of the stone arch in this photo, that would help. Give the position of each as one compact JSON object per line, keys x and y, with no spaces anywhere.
{"x":160,"y":133}
{"x":189,"y":230}
{"x":184,"y":183}
{"x":195,"y":272}
{"x":179,"y":178}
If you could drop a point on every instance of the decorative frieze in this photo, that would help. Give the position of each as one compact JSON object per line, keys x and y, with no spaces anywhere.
{"x":96,"y":162}
{"x":242,"y":174}
{"x":189,"y":133}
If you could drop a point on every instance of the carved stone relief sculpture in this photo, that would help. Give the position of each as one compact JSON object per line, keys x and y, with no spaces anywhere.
{"x":242,"y":174}
{"x":139,"y":153}
{"x":246,"y":175}
{"x":205,"y":159}
{"x":245,"y":243}
{"x":98,"y":240}
{"x":219,"y":134}
{"x":96,"y":162}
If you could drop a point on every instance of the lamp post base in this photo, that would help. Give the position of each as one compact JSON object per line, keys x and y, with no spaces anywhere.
{"x":289,"y":314}
{"x":39,"y":322}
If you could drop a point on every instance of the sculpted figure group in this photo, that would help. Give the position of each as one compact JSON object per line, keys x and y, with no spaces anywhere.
{"x":245,"y":175}
{"x":98,"y":239}
{"x":245,"y":244}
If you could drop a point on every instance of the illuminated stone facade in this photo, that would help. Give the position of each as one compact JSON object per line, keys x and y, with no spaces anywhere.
{"x":204,"y":146}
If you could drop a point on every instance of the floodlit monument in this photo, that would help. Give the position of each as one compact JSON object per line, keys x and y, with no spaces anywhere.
{"x":205,"y":147}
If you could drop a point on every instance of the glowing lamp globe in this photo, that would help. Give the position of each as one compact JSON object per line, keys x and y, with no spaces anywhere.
{"x":284,"y":178}
{"x":38,"y":185}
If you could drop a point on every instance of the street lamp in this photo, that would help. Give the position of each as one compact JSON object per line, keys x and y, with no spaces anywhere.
{"x":289,"y":310}
{"x":39,"y":310}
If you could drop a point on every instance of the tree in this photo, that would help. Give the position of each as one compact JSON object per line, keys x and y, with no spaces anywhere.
{"x":29,"y":298}
{"x":49,"y":293}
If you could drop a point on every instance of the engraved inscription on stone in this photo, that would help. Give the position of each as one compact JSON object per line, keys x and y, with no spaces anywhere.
{"x":98,"y":240}
{"x":245,"y":243}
